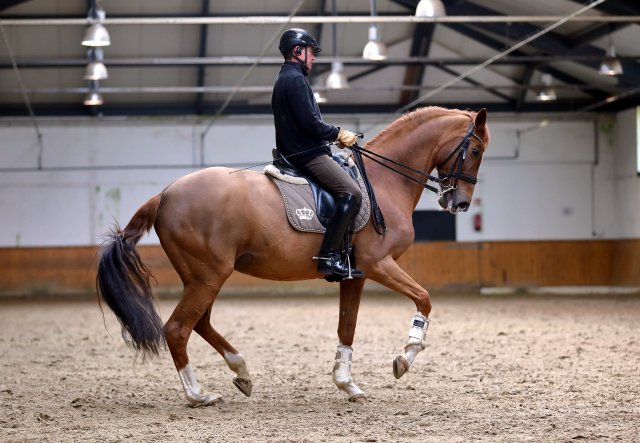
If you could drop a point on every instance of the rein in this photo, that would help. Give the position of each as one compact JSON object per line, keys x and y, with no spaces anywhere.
{"x":455,"y":173}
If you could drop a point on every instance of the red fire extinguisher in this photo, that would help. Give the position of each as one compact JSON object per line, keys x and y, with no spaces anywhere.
{"x":477,"y":222}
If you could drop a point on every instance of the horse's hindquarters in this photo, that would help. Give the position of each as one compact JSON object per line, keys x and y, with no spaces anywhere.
{"x":212,"y":220}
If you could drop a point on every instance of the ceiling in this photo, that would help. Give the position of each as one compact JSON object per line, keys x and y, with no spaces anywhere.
{"x":187,"y":69}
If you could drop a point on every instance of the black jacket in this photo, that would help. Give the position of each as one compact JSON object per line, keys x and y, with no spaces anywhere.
{"x":299,"y":125}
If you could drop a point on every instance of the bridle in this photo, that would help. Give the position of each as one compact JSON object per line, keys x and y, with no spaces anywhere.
{"x":455,"y":171}
{"x":452,"y":177}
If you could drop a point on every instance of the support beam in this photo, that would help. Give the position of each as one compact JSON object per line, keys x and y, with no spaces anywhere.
{"x":322,"y":61}
{"x":420,"y":46}
{"x":302,"y":19}
{"x":202,"y":52}
{"x":594,"y":33}
{"x":243,"y":108}
{"x":315,"y":73}
{"x":550,"y":43}
{"x":600,"y":30}
{"x":498,"y":46}
{"x":525,"y":81}
{"x":6,"y":4}
{"x":471,"y":81}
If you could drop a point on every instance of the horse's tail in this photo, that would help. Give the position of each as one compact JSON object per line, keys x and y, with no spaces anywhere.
{"x":123,"y":282}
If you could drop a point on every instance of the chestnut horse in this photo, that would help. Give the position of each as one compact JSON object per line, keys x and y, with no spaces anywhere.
{"x":211,"y":222}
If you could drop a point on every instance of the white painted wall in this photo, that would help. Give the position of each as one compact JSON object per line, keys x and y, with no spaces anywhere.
{"x":627,"y":180}
{"x":551,"y":190}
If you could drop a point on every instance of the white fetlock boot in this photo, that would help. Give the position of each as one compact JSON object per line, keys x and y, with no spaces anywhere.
{"x":342,"y":374}
{"x":194,"y":393}
{"x":415,"y":344}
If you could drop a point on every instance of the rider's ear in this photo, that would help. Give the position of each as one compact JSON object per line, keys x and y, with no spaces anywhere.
{"x":481,"y":118}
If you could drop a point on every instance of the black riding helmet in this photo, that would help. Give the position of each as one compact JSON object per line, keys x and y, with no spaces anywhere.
{"x":297,"y":37}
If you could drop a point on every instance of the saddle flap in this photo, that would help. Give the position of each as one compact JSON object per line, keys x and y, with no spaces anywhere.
{"x":299,"y":199}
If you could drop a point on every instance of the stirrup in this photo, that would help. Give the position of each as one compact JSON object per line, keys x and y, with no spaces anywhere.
{"x":336,"y":259}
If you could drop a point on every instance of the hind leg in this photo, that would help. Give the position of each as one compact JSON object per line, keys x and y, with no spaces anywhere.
{"x":196,"y":300}
{"x":234,"y":359}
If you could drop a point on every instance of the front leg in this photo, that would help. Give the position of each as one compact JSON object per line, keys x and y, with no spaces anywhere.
{"x":388,"y":273}
{"x":350,"y":295}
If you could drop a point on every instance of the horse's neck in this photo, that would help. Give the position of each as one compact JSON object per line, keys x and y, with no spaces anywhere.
{"x":415,"y":144}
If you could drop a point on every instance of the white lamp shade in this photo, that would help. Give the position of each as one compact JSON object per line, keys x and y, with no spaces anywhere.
{"x":430,"y":8}
{"x":374,"y":51}
{"x":319,"y":97}
{"x":337,"y":80}
{"x":610,"y":66}
{"x":96,"y":35}
{"x":546,"y":94}
{"x":93,"y":98}
{"x":96,"y":71}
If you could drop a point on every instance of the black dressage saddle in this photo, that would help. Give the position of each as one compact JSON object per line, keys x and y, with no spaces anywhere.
{"x":325,"y":203}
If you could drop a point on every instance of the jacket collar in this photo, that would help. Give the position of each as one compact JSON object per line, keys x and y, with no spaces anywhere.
{"x":297,"y":66}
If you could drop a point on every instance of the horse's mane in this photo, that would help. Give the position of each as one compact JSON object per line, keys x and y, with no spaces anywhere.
{"x":414,"y":114}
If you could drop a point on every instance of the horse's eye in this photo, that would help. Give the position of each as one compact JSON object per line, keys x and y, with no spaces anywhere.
{"x":475,"y":153}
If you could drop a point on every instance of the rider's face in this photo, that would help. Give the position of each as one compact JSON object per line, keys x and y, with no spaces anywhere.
{"x":309,"y":56}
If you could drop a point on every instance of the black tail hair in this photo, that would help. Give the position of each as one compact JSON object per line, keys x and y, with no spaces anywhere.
{"x":123,"y":283}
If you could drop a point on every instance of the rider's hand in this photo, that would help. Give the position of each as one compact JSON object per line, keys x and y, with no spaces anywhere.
{"x":345,"y":139}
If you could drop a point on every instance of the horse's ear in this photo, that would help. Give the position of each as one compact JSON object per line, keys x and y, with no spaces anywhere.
{"x":481,"y":118}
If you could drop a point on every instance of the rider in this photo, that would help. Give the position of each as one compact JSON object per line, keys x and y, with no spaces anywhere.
{"x":301,"y":136}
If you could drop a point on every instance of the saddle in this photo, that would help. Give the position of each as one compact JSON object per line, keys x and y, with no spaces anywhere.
{"x":302,"y":195}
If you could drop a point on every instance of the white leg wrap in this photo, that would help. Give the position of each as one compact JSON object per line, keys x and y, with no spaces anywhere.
{"x":417,"y":335}
{"x":192,"y":390}
{"x":342,"y":372}
{"x":237,"y":364}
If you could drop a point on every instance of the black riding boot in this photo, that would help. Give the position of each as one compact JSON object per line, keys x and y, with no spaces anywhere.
{"x":330,"y":258}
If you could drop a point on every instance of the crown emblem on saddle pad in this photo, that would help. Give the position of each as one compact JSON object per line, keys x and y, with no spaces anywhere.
{"x":304,"y":213}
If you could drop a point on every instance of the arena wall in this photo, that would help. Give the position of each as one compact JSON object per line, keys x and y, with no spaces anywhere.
{"x":436,"y":265}
{"x":537,"y":182}
{"x":546,"y":185}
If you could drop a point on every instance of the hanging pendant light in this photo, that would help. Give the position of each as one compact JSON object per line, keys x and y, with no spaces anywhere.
{"x":319,"y":97}
{"x":610,"y":65}
{"x":336,"y":79}
{"x":96,"y":35}
{"x":546,"y":93}
{"x":430,"y":8}
{"x":96,"y":70}
{"x":374,"y":50}
{"x":93,"y":98}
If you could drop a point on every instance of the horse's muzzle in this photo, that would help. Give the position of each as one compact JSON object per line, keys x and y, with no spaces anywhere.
{"x":449,"y":202}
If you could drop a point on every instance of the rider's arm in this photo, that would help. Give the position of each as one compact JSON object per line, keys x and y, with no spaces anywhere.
{"x":306,"y":113}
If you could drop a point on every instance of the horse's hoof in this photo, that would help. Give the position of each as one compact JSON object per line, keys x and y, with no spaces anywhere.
{"x":244,"y":385}
{"x":360,"y":398}
{"x":219,"y":402}
{"x":400,"y":366}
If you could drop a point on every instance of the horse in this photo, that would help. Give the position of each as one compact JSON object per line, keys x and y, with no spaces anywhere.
{"x":211,"y":222}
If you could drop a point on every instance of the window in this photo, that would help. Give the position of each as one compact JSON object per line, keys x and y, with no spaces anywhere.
{"x":434,"y":225}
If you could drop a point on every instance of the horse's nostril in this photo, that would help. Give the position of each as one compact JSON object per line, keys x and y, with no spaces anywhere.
{"x":463,"y":206}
